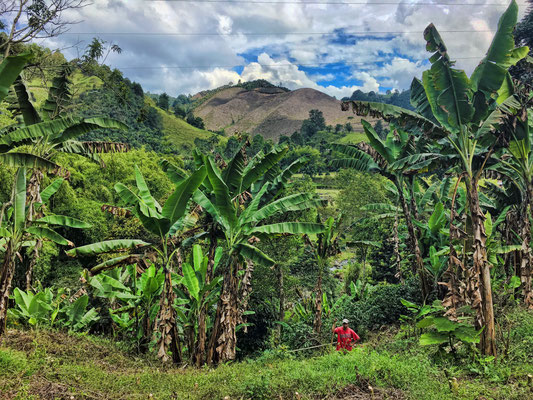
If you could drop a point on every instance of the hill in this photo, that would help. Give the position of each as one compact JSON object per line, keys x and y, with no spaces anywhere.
{"x":149,"y":125}
{"x":269,"y":111}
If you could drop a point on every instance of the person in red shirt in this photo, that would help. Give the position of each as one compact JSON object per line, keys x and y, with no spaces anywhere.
{"x":345,"y":336}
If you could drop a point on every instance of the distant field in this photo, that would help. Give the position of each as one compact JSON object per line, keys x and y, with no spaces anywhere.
{"x":179,"y":132}
{"x":353,"y":138}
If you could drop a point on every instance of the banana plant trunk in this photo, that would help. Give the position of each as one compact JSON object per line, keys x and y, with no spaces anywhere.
{"x":33,"y":195}
{"x":200,"y":349}
{"x":418,"y":265}
{"x":317,"y":324}
{"x":166,"y":322}
{"x":6,"y":276}
{"x":479,"y":285}
{"x":397,"y":257}
{"x":525,"y":252}
{"x":223,"y":342}
{"x":281,"y":295}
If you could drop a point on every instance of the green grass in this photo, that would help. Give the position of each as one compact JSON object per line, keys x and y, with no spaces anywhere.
{"x":179,"y":132}
{"x":353,"y":138}
{"x":80,"y":84}
{"x":44,"y":364}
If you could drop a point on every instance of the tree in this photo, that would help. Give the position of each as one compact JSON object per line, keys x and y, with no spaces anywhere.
{"x":165,"y":222}
{"x":17,"y":231}
{"x":25,"y":20}
{"x":517,"y":167}
{"x":240,"y":199}
{"x":163,"y":101}
{"x":464,"y":112}
{"x":325,"y":246}
{"x":51,"y":133}
{"x":382,"y":157}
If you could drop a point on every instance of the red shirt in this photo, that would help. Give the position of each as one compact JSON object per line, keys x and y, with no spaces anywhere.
{"x":345,"y":338}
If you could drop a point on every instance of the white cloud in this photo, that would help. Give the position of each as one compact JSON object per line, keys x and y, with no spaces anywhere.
{"x":402,"y":54}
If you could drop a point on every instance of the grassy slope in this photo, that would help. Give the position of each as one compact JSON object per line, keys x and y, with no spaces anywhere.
{"x":177,"y":131}
{"x":53,"y":365}
{"x":353,"y":138}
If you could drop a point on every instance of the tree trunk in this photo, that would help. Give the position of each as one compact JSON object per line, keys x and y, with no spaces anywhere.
{"x":166,"y":322}
{"x":281,"y":295}
{"x":418,"y":265}
{"x":6,"y":276}
{"x":33,"y":195}
{"x":396,"y":241}
{"x":31,"y":265}
{"x":223,"y":342}
{"x":526,"y":260}
{"x":479,"y":287}
{"x":202,"y":329}
{"x":317,"y":323}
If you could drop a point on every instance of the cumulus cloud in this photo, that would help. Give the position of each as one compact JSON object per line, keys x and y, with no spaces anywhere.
{"x":271,"y":41}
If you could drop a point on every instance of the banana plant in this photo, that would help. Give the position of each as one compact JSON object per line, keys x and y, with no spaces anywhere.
{"x":44,"y":308}
{"x":196,"y":293}
{"x":515,"y":166}
{"x":133,"y":299}
{"x":18,"y":232}
{"x":10,"y":69}
{"x":240,"y":199}
{"x":461,"y":114}
{"x":164,"y":222}
{"x":384,"y":158}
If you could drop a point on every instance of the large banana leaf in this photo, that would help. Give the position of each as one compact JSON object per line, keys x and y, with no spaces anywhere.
{"x":144,"y":192}
{"x":176,"y":205}
{"x":490,"y":73}
{"x":19,"y":203}
{"x":85,"y":125}
{"x":255,"y":255}
{"x":10,"y":68}
{"x":62,"y":220}
{"x":175,"y":174}
{"x":107,"y":246}
{"x":51,"y":189}
{"x":399,"y":115}
{"x":23,"y":105}
{"x":158,"y":225}
{"x":35,"y":131}
{"x":233,"y":173}
{"x":295,"y":202}
{"x":16,"y":159}
{"x":420,"y":101}
{"x":46,"y":233}
{"x":115,"y":262}
{"x":295,"y":228}
{"x":283,"y":177}
{"x":190,"y":280}
{"x":376,"y":143}
{"x":448,"y":89}
{"x":223,"y":202}
{"x":258,"y":169}
{"x":59,"y":95}
{"x":201,"y":199}
{"x":131,"y":199}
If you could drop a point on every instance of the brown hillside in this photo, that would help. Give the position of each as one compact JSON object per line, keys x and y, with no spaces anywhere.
{"x":269,"y":111}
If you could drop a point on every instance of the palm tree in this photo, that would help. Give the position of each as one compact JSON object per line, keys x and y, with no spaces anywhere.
{"x":464,"y":112}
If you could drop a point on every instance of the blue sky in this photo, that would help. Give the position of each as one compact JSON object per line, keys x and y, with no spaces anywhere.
{"x":185,"y":47}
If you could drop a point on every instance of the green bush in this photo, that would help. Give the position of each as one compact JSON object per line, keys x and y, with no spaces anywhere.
{"x":382,"y":307}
